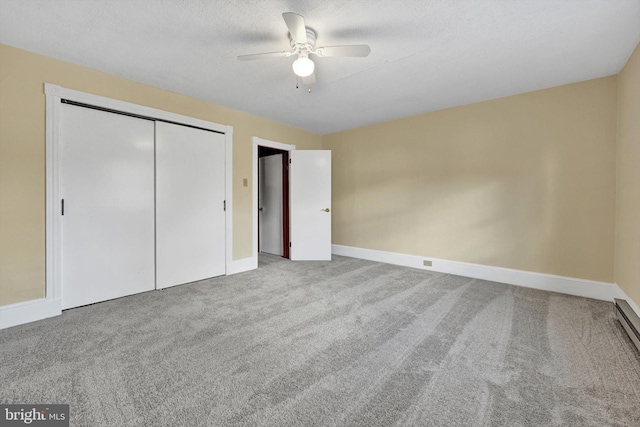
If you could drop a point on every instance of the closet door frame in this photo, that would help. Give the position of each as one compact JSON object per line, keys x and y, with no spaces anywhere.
{"x":54,"y":96}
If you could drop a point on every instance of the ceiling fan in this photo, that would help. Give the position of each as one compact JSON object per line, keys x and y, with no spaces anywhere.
{"x":303,"y":42}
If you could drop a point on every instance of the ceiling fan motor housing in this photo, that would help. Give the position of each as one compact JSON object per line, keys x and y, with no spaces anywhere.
{"x":308,"y":46}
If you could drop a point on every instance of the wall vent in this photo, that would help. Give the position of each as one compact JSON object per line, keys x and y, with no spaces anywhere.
{"x":629,"y":320}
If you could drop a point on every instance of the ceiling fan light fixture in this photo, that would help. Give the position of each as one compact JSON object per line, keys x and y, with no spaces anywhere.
{"x":303,"y":66}
{"x":303,"y":43}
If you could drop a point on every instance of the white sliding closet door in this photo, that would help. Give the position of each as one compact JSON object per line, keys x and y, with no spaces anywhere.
{"x":108,"y":221}
{"x":190,"y":197}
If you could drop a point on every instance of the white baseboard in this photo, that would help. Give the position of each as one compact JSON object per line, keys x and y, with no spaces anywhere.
{"x":29,"y":311}
{"x":242,"y":265}
{"x":547,"y":282}
{"x":619,"y":293}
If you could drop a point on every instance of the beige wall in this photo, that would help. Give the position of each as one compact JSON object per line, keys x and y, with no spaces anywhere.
{"x":627,"y":244}
{"x":524,"y":182}
{"x":22,"y":156}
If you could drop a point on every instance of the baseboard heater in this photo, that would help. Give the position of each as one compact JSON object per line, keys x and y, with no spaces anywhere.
{"x":629,"y":320}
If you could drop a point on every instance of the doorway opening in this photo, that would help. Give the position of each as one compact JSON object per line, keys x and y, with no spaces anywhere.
{"x":309,"y":201}
{"x":273,"y":201}
{"x":258,"y":143}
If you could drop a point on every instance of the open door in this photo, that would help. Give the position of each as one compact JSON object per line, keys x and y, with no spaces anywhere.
{"x":310,"y":205}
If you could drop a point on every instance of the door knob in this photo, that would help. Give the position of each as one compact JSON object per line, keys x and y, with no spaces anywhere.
{"x":326,"y":210}
{"x":260,"y":209}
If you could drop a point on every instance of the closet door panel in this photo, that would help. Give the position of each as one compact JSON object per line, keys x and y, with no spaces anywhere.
{"x":108,"y":191}
{"x":190,"y":195}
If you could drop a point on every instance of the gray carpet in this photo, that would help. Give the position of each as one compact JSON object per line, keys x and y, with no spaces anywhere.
{"x":347,"y":342}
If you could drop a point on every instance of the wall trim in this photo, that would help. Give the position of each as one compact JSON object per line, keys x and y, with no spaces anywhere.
{"x":29,"y":311}
{"x":128,"y":107}
{"x":254,"y":172}
{"x":228,"y":217}
{"x":242,"y":265}
{"x":547,"y":282}
{"x":619,"y":293}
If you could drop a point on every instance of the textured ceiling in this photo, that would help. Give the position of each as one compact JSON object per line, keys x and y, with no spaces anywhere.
{"x":425,"y":55}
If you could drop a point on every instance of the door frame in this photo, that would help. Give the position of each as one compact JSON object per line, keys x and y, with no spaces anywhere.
{"x":263,"y":143}
{"x":53,"y":226}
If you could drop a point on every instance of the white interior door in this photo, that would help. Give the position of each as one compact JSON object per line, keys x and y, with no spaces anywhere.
{"x":270,"y":213}
{"x":310,"y":204}
{"x":190,"y":197}
{"x":108,"y":221}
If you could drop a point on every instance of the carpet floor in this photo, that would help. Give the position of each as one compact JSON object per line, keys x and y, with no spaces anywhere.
{"x":345,"y":343}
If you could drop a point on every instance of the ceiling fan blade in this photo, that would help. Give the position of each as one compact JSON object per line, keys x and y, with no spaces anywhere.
{"x":264,"y":56}
{"x":295,"y":23}
{"x":309,"y":80}
{"x":361,"y":50}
